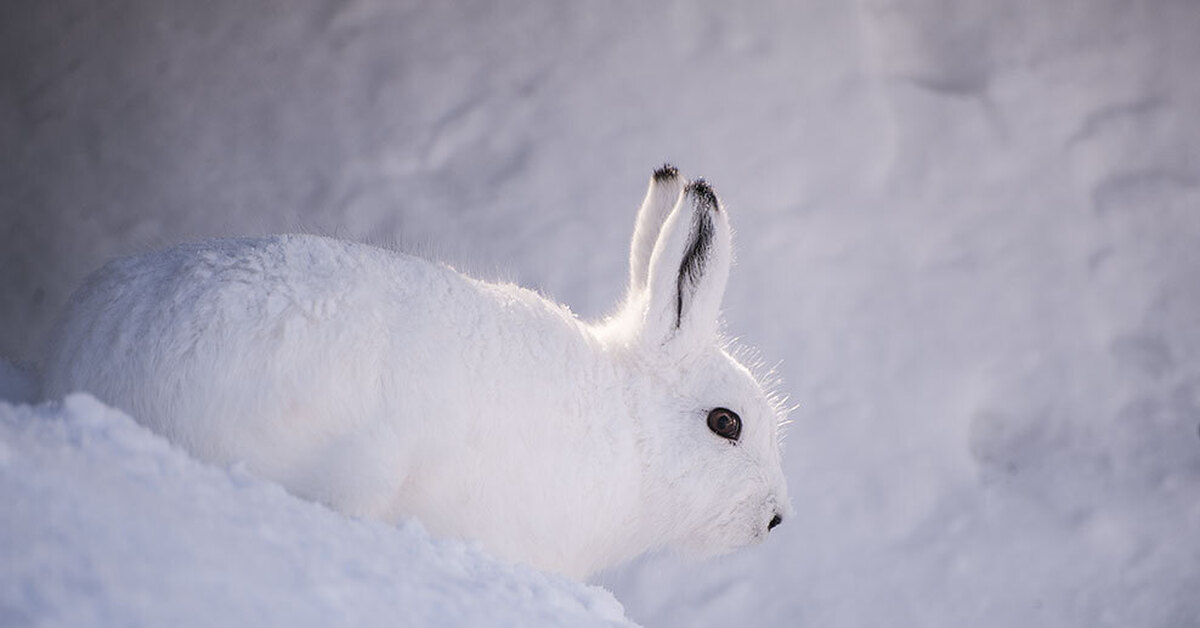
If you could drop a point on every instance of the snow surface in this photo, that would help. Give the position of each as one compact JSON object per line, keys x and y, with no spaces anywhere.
{"x":105,"y":524}
{"x":967,"y":231}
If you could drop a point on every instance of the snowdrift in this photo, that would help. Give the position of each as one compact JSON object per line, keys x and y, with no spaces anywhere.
{"x":105,"y":524}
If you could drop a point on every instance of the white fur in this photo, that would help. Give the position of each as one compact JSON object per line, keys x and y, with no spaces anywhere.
{"x":386,"y":386}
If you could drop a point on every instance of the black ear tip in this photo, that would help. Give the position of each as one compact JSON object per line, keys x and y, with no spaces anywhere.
{"x":700,"y":190}
{"x":666,"y":171}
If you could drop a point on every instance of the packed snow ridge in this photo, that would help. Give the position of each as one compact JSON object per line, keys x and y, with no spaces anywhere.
{"x":106,"y":524}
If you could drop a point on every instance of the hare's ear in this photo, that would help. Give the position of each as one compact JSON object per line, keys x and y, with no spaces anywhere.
{"x":687,"y":272}
{"x":661,"y":198}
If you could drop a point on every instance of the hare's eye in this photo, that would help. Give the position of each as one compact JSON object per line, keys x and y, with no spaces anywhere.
{"x":725,"y":423}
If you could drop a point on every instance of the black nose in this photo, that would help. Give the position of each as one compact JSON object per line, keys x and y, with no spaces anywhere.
{"x":774,"y":522}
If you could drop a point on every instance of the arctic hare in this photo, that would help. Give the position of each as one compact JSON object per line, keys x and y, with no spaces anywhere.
{"x":386,"y":386}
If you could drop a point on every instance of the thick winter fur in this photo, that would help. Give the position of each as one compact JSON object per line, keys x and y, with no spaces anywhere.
{"x":386,"y":386}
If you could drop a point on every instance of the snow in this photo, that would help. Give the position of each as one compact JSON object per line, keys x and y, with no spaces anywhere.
{"x":106,"y":524}
{"x":966,"y":232}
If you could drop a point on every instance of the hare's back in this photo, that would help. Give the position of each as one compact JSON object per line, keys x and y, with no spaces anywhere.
{"x":248,"y":285}
{"x":242,"y":319}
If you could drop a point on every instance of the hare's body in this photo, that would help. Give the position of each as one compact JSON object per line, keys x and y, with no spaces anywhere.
{"x":387,"y":386}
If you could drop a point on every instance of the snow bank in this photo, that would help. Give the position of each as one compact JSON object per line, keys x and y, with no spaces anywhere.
{"x":104,"y":524}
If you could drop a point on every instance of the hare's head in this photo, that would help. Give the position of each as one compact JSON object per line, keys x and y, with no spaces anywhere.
{"x":708,"y":429}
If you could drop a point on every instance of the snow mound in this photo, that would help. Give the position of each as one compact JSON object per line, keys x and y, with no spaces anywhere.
{"x":105,"y":524}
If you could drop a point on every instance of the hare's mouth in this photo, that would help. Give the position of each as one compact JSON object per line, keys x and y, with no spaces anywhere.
{"x":755,"y":518}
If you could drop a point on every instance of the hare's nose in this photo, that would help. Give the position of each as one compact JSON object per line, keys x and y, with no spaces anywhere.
{"x":776,"y":520}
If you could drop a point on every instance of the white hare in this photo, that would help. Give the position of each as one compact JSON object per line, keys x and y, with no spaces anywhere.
{"x":386,"y":386}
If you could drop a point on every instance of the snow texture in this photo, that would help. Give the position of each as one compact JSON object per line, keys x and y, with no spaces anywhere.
{"x":967,"y":234}
{"x":105,"y":524}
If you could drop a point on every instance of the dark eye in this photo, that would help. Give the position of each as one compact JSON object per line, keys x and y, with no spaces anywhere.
{"x":725,"y":423}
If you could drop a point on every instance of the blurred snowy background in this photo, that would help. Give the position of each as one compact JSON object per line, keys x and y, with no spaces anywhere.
{"x":967,"y":231}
